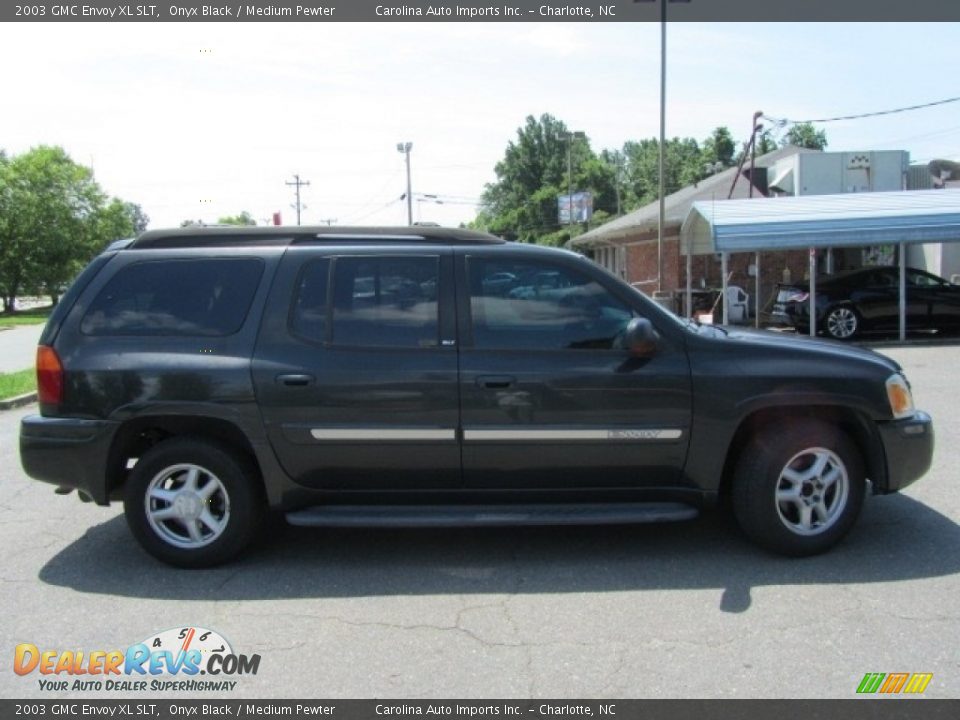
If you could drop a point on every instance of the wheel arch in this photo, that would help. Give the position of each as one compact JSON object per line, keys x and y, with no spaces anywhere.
{"x":137,"y":435}
{"x":860,"y":429}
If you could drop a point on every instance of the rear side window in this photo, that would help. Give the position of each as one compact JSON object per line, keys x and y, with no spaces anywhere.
{"x":63,"y":307}
{"x":207,"y":297}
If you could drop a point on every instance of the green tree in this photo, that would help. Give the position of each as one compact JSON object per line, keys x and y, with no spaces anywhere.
{"x":522,"y":203}
{"x":718,"y":149}
{"x":7,"y":246}
{"x":114,"y":221}
{"x":805,"y":135}
{"x":140,"y":219}
{"x":55,"y":217}
{"x":616,"y":161}
{"x":244,"y":218}
{"x":684,"y":166}
{"x":765,"y":143}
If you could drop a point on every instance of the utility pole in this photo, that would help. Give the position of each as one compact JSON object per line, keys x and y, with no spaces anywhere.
{"x":661,"y":155}
{"x":570,"y":136}
{"x":405,"y":147}
{"x":749,"y":151}
{"x":618,"y":168}
{"x":661,"y":158}
{"x":298,"y":183}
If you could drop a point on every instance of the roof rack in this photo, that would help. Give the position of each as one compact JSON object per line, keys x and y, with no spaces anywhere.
{"x":282,"y":235}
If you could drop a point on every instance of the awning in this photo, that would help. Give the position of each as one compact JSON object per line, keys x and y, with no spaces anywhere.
{"x":810,"y":221}
{"x":820,"y":221}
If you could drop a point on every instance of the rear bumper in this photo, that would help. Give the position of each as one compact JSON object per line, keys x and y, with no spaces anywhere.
{"x":796,"y":315}
{"x":908,"y":446}
{"x":68,"y":452}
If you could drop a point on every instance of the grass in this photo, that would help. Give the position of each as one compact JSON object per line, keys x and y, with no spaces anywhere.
{"x":34,"y":316}
{"x":17,"y":383}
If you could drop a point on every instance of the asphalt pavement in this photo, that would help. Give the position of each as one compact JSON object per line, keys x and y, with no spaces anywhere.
{"x":18,"y":347}
{"x":663,"y":611}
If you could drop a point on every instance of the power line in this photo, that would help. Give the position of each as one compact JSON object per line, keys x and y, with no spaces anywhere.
{"x":785,"y":121}
{"x":950,"y":155}
{"x":357,"y":218}
{"x":372,"y":199}
{"x":935,"y":133}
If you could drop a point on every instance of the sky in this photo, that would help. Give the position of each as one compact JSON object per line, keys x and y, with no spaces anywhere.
{"x":201,"y":120}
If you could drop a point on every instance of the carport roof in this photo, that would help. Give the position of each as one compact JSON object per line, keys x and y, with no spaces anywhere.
{"x":844,"y":220}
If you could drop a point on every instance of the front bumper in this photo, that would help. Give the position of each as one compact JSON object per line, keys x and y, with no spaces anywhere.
{"x":68,"y":452}
{"x":908,"y":447}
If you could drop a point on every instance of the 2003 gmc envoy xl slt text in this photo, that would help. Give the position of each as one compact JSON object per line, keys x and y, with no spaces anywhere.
{"x":426,"y":376}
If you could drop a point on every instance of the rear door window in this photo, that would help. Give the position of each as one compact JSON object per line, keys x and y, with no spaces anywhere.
{"x":207,"y":297}
{"x":386,"y":302}
{"x":309,"y":317}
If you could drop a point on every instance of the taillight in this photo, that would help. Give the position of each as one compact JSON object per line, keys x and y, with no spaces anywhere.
{"x":49,"y":376}
{"x":791,"y":295}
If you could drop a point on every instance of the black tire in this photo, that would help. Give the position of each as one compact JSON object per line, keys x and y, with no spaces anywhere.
{"x":783,"y":498}
{"x":842,"y":322}
{"x":199,"y":525}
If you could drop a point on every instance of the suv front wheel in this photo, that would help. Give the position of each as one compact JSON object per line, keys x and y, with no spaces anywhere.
{"x":192,"y":503}
{"x":798,"y":487}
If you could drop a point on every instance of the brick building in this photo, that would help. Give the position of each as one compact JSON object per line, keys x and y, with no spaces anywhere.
{"x":627,"y":246}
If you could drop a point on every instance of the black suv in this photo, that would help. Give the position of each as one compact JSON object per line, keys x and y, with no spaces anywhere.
{"x":426,"y":376}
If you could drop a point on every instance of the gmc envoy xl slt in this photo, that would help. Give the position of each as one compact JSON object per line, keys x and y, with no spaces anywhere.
{"x":434,"y":377}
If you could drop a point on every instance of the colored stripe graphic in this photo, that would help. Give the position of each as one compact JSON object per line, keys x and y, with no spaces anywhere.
{"x":918,"y":683}
{"x":893,"y":683}
{"x":870,"y":682}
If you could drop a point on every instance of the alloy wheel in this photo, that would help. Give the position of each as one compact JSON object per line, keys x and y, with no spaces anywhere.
{"x":187,"y":506}
{"x":812,"y":491}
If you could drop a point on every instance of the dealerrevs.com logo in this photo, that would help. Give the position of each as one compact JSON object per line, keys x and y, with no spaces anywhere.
{"x":189,"y":659}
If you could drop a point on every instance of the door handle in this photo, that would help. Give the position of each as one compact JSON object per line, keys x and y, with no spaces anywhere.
{"x":496,"y":382}
{"x":295,"y":380}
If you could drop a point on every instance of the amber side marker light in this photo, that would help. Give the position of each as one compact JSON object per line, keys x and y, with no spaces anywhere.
{"x":49,"y":376}
{"x":899,"y":396}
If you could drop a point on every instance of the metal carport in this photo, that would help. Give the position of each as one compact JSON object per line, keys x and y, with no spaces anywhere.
{"x":820,"y":221}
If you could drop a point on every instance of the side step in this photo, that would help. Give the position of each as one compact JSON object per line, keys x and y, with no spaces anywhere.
{"x":400,"y":516}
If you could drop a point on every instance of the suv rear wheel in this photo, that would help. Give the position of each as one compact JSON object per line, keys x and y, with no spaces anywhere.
{"x":798,"y":487}
{"x":192,"y":503}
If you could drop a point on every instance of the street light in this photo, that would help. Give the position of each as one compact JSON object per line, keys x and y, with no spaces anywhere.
{"x":663,"y":132}
{"x":404,"y":147}
{"x":569,"y":137}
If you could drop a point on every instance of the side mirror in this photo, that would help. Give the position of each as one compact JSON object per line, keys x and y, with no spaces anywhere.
{"x":640,"y":338}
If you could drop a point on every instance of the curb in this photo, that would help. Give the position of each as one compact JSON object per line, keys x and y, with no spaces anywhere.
{"x":18,"y":401}
{"x":917,"y":342}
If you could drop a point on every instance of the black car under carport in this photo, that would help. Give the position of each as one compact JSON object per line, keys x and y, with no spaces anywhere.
{"x":868,"y":301}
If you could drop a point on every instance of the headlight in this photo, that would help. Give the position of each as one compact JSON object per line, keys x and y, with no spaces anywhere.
{"x":899,"y":396}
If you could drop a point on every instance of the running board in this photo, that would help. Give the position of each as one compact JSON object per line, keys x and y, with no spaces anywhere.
{"x":399,"y":516}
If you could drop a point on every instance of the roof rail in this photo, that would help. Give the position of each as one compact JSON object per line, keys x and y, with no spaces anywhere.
{"x":282,"y":235}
